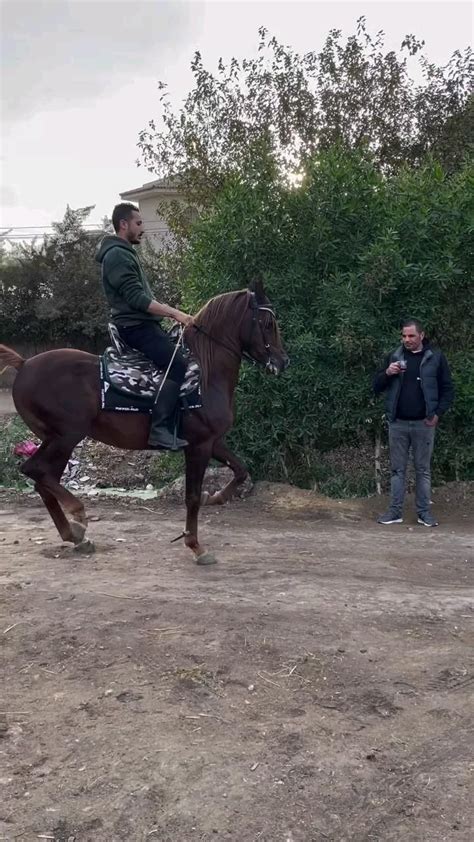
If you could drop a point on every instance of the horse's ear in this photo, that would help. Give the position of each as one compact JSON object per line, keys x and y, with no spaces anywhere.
{"x":256,"y":286}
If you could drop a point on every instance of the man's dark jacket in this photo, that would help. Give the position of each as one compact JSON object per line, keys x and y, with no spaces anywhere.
{"x":125,"y":284}
{"x":436,"y":383}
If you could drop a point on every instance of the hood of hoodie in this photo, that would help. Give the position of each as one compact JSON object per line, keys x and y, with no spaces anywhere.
{"x":109,"y":242}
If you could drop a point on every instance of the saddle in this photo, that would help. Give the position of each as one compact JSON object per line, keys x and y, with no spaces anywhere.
{"x":129,"y":381}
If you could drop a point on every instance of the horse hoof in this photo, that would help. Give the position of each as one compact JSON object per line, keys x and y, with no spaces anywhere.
{"x":206,"y":558}
{"x":78,"y":530}
{"x":85,"y":547}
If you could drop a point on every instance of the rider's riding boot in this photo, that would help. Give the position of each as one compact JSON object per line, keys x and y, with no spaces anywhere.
{"x":162,"y":419}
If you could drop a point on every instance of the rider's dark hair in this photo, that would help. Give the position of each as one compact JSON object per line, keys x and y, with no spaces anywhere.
{"x":122,"y":211}
{"x":415,"y":322}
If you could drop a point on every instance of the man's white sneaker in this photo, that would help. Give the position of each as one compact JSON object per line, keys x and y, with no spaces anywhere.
{"x":427,"y":519}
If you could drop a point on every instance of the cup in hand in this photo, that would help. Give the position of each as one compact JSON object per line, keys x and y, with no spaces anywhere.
{"x":403,"y":365}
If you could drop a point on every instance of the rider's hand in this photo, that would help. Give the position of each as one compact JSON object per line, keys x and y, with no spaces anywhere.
{"x":394,"y":368}
{"x":187,"y":321}
{"x":431,"y":422}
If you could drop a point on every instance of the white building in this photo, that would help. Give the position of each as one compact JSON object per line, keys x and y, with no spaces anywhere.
{"x":148,"y":198}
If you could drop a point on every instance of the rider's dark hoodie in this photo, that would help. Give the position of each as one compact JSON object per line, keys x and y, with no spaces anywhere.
{"x":125,"y":284}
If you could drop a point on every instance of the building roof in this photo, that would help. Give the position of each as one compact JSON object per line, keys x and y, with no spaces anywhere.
{"x":150,"y":188}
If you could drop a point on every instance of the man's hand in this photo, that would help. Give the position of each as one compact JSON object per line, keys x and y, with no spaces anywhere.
{"x":186,"y":320}
{"x":432,"y":422}
{"x":394,"y":368}
{"x":170,"y":313}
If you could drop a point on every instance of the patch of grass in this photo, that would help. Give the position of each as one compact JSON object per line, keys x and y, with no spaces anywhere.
{"x":165,"y":468}
{"x":12,"y":431}
{"x":342,"y":473}
{"x":345,"y":485}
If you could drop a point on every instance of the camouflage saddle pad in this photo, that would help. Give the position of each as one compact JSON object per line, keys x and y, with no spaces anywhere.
{"x":129,"y":381}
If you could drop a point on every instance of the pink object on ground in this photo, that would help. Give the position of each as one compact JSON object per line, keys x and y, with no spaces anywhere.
{"x":25,"y":448}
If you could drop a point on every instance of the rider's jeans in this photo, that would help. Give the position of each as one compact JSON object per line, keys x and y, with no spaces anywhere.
{"x":151,"y":340}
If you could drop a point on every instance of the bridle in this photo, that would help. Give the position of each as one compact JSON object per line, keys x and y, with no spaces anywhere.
{"x":256,"y":322}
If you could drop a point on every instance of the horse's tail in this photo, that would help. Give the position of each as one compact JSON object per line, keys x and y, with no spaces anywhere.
{"x":9,"y":357}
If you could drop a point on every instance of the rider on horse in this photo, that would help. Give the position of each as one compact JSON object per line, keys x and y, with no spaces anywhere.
{"x":137,"y":316}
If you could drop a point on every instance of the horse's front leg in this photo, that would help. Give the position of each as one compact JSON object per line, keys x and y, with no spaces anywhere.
{"x":197,"y":460}
{"x":221,"y":452}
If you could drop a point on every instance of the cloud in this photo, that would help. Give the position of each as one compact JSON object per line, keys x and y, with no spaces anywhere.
{"x":8,"y":196}
{"x":79,"y":79}
{"x":61,"y":52}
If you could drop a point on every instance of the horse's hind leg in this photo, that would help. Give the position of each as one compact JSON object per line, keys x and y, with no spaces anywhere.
{"x":222,"y":453}
{"x":45,"y":468}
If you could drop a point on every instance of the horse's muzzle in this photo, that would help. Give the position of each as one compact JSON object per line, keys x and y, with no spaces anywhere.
{"x":277,"y":368}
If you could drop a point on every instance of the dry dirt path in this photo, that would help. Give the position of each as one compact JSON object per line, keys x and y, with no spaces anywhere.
{"x":314,"y":685}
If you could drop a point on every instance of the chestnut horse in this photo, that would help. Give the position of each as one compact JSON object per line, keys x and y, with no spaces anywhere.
{"x":57,"y":393}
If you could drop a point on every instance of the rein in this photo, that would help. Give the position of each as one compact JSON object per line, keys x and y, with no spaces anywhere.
{"x":217,"y":341}
{"x":245,"y":354}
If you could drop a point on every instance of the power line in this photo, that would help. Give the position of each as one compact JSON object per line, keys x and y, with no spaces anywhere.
{"x":48,"y":228}
{"x":44,"y":227}
{"x":39,"y":236}
{"x":90,"y":231}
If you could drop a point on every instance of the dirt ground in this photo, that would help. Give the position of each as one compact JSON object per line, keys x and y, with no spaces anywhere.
{"x":314,"y":685}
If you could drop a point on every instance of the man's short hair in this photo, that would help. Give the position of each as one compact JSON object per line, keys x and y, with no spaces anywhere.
{"x":122,"y":211}
{"x":415,"y":322}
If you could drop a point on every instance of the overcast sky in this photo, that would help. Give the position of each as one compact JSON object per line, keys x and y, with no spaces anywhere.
{"x":79,"y":79}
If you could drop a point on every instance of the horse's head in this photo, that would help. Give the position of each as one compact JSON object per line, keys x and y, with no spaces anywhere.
{"x":260,"y":334}
{"x":240,"y":323}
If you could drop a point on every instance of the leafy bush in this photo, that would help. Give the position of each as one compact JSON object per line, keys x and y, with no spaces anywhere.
{"x":12,"y":431}
{"x":346,"y":257}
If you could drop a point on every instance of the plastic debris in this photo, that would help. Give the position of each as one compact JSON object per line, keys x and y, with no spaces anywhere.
{"x":25,"y":448}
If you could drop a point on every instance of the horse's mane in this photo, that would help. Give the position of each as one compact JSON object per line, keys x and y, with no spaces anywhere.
{"x":221,"y":318}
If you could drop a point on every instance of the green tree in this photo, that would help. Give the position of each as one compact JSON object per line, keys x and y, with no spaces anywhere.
{"x":352,"y":93}
{"x":346,"y":257}
{"x":51,"y":288}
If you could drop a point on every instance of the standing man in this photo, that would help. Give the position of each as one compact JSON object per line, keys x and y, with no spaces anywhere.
{"x":137,"y":316}
{"x":419,"y":390}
